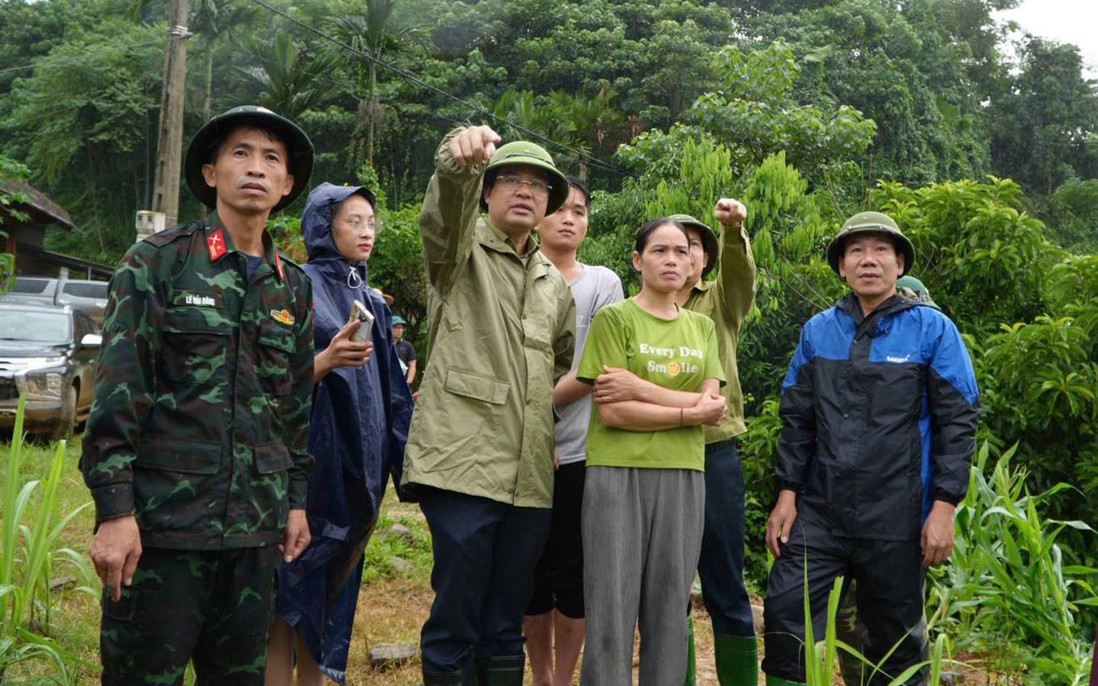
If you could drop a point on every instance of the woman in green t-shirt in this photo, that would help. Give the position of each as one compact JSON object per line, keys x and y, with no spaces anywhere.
{"x":644,"y":498}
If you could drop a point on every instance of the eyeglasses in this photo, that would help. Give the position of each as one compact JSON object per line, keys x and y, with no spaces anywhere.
{"x":513,"y":183}
{"x":356,"y":224}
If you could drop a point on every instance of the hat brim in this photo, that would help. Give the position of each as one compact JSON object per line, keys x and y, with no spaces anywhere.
{"x":710,"y":244}
{"x":558,"y":194}
{"x":200,"y":152}
{"x":837,"y":245}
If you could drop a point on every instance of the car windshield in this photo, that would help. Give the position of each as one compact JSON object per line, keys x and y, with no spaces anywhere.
{"x":35,"y":327}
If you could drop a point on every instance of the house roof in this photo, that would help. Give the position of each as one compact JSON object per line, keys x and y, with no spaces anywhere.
{"x":41,"y":209}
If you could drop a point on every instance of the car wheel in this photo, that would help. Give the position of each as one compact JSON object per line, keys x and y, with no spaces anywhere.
{"x":66,"y":422}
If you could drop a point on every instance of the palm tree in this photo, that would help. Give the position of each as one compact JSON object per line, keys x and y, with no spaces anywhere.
{"x":284,"y":81}
{"x":374,"y":33}
{"x":571,"y":120}
{"x":212,"y":20}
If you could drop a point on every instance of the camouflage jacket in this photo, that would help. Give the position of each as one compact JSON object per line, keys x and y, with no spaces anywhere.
{"x":203,"y":392}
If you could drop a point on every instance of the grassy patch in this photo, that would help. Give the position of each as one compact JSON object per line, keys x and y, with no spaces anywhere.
{"x":393,"y":605}
{"x":46,"y":581}
{"x":1005,"y":565}
{"x":401,"y":545}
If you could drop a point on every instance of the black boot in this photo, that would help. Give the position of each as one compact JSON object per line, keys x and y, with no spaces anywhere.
{"x":461,"y":677}
{"x":503,"y":671}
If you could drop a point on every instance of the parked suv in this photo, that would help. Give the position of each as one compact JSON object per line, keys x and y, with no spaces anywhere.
{"x":48,"y":355}
{"x":90,"y":297}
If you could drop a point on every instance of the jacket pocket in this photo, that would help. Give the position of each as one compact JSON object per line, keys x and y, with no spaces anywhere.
{"x":276,"y":345}
{"x":270,"y":486}
{"x":194,"y":346}
{"x":477,"y":386}
{"x":271,"y":458}
{"x":176,"y":485}
{"x":459,"y":415}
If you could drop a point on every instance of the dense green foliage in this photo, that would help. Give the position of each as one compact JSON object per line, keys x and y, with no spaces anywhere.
{"x":10,"y":199}
{"x":807,"y":110}
{"x":1009,"y":585}
{"x":853,"y":91}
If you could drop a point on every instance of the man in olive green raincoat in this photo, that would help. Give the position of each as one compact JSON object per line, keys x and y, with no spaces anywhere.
{"x":480,"y":450}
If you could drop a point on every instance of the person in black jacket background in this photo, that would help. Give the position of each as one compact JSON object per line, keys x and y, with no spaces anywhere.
{"x":879,"y":412}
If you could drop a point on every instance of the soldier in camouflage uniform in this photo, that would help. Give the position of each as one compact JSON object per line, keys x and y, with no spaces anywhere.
{"x":195,"y":451}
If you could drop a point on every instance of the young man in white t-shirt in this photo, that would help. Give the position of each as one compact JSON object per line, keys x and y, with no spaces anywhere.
{"x":554,"y":626}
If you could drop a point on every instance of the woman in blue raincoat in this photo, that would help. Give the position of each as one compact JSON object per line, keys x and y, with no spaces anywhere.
{"x":361,"y":410}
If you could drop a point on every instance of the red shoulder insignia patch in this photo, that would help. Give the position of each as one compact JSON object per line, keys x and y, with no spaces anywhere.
{"x":215,"y":243}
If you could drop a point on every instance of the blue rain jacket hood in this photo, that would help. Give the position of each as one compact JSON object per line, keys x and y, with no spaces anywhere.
{"x":357,"y":435}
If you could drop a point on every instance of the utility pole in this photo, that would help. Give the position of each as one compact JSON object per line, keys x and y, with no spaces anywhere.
{"x":169,"y":147}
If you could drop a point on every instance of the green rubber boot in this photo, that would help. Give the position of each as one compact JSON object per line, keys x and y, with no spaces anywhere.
{"x":691,"y":656}
{"x":737,"y":659}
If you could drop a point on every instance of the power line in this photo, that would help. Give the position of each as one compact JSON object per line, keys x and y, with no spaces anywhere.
{"x":408,"y":76}
{"x":81,"y":59}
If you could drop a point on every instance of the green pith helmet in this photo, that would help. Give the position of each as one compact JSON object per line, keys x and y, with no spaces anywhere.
{"x":201,"y":150}
{"x":709,"y":240}
{"x":525,"y":152}
{"x":917,"y":289}
{"x":870,"y":222}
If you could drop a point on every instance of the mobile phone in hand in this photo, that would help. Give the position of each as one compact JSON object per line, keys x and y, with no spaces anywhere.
{"x":360,"y":314}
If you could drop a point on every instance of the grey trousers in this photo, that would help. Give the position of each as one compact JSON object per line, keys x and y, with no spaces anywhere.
{"x":642,"y":532}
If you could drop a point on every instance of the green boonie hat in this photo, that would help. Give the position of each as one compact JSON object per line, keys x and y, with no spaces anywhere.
{"x":870,"y":222}
{"x":709,"y":240}
{"x":525,"y":152}
{"x":200,"y":152}
{"x":910,"y":283}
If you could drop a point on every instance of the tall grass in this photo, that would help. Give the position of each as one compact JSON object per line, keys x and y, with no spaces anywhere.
{"x":29,"y":535}
{"x":1008,"y":592}
{"x":820,"y":656}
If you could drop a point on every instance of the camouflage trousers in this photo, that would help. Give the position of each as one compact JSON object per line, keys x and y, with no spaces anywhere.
{"x":212,"y":607}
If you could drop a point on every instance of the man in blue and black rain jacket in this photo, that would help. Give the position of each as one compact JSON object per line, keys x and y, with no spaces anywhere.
{"x":879,"y":412}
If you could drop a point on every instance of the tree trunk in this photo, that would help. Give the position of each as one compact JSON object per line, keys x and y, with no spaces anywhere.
{"x":208,"y":100}
{"x":371,"y":120}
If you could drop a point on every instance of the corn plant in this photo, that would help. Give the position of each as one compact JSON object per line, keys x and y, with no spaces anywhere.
{"x":1008,"y":591}
{"x":28,"y":552}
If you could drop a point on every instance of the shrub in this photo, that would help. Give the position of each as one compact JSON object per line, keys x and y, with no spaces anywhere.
{"x":1007,"y":591}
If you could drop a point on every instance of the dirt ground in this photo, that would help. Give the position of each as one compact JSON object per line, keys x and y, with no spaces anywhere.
{"x":393,"y":611}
